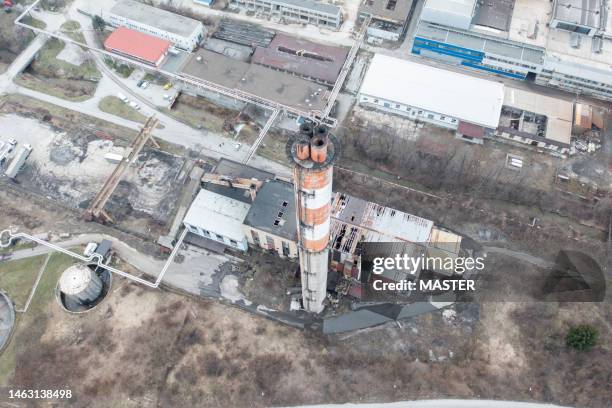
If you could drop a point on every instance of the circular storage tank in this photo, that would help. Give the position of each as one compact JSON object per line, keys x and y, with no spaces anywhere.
{"x":80,"y":284}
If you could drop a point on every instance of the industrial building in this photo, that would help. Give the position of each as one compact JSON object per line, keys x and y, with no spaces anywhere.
{"x":298,"y":11}
{"x":219,"y":218}
{"x":142,"y":47}
{"x":309,"y":60}
{"x":537,"y":120}
{"x":565,"y":44}
{"x":282,"y":88}
{"x":388,"y":18}
{"x":332,"y":226}
{"x":438,"y":96}
{"x":271,"y":223}
{"x":183,"y":32}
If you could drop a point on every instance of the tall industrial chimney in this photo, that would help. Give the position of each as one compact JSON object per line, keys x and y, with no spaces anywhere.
{"x":313,"y":151}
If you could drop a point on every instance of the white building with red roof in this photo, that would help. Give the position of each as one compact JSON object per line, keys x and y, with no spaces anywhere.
{"x":142,"y":47}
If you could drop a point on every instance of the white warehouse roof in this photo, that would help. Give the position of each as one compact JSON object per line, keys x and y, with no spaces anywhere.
{"x":454,"y":13}
{"x":218,"y":214}
{"x":459,"y":96}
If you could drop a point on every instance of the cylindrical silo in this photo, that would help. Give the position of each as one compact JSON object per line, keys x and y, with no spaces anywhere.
{"x":313,"y":151}
{"x":80,"y":284}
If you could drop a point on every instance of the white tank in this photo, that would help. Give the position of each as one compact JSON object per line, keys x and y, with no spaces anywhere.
{"x":81,"y":284}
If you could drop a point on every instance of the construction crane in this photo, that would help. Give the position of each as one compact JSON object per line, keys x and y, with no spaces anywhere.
{"x":96,"y":209}
{"x":253,"y":185}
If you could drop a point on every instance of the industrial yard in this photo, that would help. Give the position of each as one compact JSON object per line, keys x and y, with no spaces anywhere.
{"x":194,"y":196}
{"x":201,"y":347}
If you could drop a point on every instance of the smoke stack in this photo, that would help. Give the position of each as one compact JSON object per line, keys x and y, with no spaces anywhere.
{"x":312,"y":151}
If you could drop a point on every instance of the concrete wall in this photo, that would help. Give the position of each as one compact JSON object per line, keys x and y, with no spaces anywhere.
{"x":218,"y":236}
{"x":538,"y":144}
{"x":263,"y":242}
{"x":411,"y":112}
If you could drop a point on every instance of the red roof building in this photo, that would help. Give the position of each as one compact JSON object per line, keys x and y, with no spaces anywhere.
{"x":134,"y":44}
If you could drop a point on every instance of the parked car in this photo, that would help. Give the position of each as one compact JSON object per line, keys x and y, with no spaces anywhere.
{"x":145,"y":85}
{"x":167,"y":86}
{"x":89,"y":249}
{"x":123,"y":97}
{"x":139,"y":83}
{"x":135,"y":105}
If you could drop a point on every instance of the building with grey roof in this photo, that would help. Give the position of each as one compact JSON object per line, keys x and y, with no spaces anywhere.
{"x":298,"y":11}
{"x":494,"y":14}
{"x":578,"y":16}
{"x":271,"y":223}
{"x":281,"y":88}
{"x":566,"y":44}
{"x":309,"y":60}
{"x":389,"y":18}
{"x":184,"y":32}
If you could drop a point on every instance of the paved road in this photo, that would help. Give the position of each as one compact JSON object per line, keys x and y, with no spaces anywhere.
{"x":138,"y":260}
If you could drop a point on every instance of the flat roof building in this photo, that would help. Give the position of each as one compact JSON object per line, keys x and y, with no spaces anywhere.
{"x":431,"y":94}
{"x":279,"y":87}
{"x":309,"y":60}
{"x":219,"y":218}
{"x":134,"y":44}
{"x":565,"y":44}
{"x":578,"y":16}
{"x":184,"y":32}
{"x":389,"y":18}
{"x":452,"y":13}
{"x":299,"y":11}
{"x":537,"y":120}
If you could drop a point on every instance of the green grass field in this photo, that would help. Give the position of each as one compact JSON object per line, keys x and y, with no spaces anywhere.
{"x":28,"y":328}
{"x":115,"y":106}
{"x":17,"y":278}
{"x":72,"y":29}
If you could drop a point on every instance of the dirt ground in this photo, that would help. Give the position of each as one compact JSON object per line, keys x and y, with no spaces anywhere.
{"x":266,"y":278}
{"x":67,"y":165}
{"x":163,"y":349}
{"x":198,"y":112}
{"x":273,"y":146}
{"x":70,"y":167}
{"x":429,"y":158}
